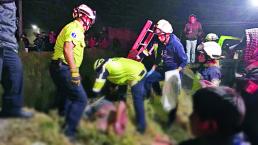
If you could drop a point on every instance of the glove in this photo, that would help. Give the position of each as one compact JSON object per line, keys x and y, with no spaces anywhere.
{"x":149,"y":73}
{"x":76,"y":78}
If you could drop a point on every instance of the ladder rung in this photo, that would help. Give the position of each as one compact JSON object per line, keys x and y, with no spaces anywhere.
{"x":143,"y":44}
{"x":150,"y":30}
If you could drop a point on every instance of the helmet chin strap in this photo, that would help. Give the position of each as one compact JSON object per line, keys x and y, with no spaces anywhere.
{"x":85,"y":22}
{"x":166,"y":39}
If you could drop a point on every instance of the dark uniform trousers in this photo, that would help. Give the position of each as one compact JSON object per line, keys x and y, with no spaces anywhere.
{"x":72,"y":98}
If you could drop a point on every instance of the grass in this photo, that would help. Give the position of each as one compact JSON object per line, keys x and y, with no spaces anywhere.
{"x":44,"y":128}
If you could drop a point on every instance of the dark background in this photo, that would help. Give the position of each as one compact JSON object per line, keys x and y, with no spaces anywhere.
{"x":228,"y":17}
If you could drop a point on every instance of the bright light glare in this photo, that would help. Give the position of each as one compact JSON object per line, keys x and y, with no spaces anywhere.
{"x":254,"y":3}
{"x":34,"y":27}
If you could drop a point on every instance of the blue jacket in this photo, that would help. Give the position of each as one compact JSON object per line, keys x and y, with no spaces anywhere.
{"x":210,"y":73}
{"x":6,"y":1}
{"x":8,"y":25}
{"x":172,"y":54}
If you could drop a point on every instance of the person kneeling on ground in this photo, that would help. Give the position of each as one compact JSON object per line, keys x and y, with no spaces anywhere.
{"x":209,"y":54}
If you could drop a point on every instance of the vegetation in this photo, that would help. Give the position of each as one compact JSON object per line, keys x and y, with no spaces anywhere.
{"x":45,"y":127}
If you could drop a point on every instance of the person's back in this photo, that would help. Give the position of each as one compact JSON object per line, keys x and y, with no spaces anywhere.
{"x":122,"y":70}
{"x":218,"y":113}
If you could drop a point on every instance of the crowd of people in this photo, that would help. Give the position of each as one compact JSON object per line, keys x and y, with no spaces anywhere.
{"x":42,"y":42}
{"x":46,"y":42}
{"x":219,"y":113}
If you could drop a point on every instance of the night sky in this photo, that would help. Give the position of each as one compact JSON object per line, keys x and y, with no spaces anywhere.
{"x":228,"y":17}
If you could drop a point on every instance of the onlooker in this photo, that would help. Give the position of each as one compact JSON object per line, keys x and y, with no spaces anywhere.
{"x":103,"y":43}
{"x":218,"y":113}
{"x":51,"y":40}
{"x":11,"y":73}
{"x":26,"y":42}
{"x":193,"y":30}
{"x":248,"y":86}
{"x":38,"y":42}
{"x":92,"y":42}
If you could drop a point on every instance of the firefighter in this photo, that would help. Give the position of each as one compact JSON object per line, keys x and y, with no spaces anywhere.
{"x":64,"y":68}
{"x":209,"y":53}
{"x":170,"y":52}
{"x":123,"y":71}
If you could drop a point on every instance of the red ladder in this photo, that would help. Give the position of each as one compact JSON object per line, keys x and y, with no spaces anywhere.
{"x":139,"y":51}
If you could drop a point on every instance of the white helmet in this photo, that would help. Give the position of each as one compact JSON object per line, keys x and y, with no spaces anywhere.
{"x":212,"y":49}
{"x":84,"y":10}
{"x":164,"y":26}
{"x":211,"y":37}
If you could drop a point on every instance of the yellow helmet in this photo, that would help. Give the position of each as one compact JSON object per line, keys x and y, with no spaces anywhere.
{"x":98,"y":63}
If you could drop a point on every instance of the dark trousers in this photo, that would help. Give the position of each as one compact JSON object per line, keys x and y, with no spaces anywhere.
{"x":150,"y":80}
{"x":72,"y":98}
{"x":138,"y":93}
{"x":12,"y":81}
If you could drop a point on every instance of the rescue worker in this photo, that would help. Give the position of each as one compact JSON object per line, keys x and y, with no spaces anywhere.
{"x":170,"y":52}
{"x":123,"y":71}
{"x":64,"y":68}
{"x":172,"y":55}
{"x":11,"y":73}
{"x":209,"y":53}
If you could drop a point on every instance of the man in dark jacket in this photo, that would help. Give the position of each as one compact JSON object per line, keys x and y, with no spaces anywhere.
{"x":11,"y":72}
{"x":170,"y":53}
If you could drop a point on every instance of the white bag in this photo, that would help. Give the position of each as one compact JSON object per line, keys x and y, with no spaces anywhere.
{"x":171,"y":90}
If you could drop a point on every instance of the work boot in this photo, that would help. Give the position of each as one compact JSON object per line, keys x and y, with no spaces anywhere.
{"x":171,"y":117}
{"x":18,"y":114}
{"x":70,"y":135}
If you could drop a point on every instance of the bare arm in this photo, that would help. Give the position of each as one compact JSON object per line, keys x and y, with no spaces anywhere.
{"x":154,"y":67}
{"x":68,"y":54}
